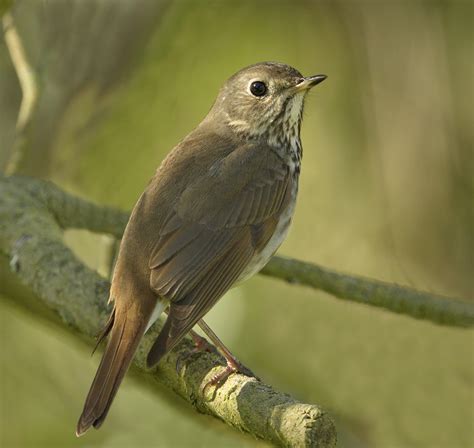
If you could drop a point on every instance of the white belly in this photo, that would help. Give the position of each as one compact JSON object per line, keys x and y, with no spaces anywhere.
{"x":281,"y":230}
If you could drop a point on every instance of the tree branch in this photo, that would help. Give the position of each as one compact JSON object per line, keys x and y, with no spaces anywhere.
{"x":72,"y":212}
{"x":389,"y":296}
{"x":32,"y":216}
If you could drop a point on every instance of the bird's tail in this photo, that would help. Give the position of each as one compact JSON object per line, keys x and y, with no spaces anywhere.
{"x":125,"y":335}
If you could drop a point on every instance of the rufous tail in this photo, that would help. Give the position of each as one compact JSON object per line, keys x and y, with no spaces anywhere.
{"x":125,"y":335}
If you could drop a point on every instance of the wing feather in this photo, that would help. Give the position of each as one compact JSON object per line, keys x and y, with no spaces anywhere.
{"x":216,"y":226}
{"x":184,"y":315}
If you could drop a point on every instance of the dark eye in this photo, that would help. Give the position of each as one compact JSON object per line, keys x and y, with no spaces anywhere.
{"x":258,"y":88}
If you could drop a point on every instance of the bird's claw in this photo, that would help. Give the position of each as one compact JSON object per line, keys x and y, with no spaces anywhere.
{"x":233,"y":366}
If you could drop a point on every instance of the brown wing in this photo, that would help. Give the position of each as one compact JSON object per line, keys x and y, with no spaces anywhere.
{"x":221,"y":220}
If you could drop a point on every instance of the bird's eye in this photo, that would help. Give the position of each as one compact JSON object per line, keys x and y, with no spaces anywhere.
{"x":258,"y":88}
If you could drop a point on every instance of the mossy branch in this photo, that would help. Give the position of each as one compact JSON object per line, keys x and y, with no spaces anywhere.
{"x":33,"y":214}
{"x":389,"y":296}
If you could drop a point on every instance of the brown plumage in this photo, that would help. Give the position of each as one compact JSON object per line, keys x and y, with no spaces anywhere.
{"x":215,"y":211}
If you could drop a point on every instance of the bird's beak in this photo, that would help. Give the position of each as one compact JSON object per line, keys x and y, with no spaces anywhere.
{"x":308,"y":82}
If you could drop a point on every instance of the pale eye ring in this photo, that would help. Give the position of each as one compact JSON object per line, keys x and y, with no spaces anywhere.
{"x":258,"y":88}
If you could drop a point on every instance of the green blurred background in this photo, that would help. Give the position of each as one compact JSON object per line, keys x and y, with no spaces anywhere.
{"x":386,"y":191}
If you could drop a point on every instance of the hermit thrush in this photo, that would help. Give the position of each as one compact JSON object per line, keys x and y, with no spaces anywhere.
{"x":216,"y":210}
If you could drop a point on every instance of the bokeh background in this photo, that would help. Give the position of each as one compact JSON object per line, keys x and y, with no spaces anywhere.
{"x":386,"y":191}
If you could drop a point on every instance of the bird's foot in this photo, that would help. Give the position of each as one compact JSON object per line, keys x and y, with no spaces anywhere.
{"x":233,"y":366}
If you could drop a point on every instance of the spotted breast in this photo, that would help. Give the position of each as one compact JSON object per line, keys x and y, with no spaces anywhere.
{"x":292,"y":152}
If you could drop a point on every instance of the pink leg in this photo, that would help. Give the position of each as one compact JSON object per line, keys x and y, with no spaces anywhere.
{"x":233,"y":364}
{"x":200,"y":343}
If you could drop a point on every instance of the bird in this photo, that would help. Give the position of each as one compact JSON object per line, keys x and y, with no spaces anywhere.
{"x":216,"y":210}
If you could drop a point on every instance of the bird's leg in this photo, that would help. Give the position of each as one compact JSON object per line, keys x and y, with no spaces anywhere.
{"x":201,"y":344}
{"x":233,"y":364}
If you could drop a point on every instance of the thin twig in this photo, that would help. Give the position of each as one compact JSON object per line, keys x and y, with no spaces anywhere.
{"x":29,"y":89}
{"x":388,"y":296}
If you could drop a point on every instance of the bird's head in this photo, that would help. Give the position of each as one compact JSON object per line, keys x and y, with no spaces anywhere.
{"x":264,"y":101}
